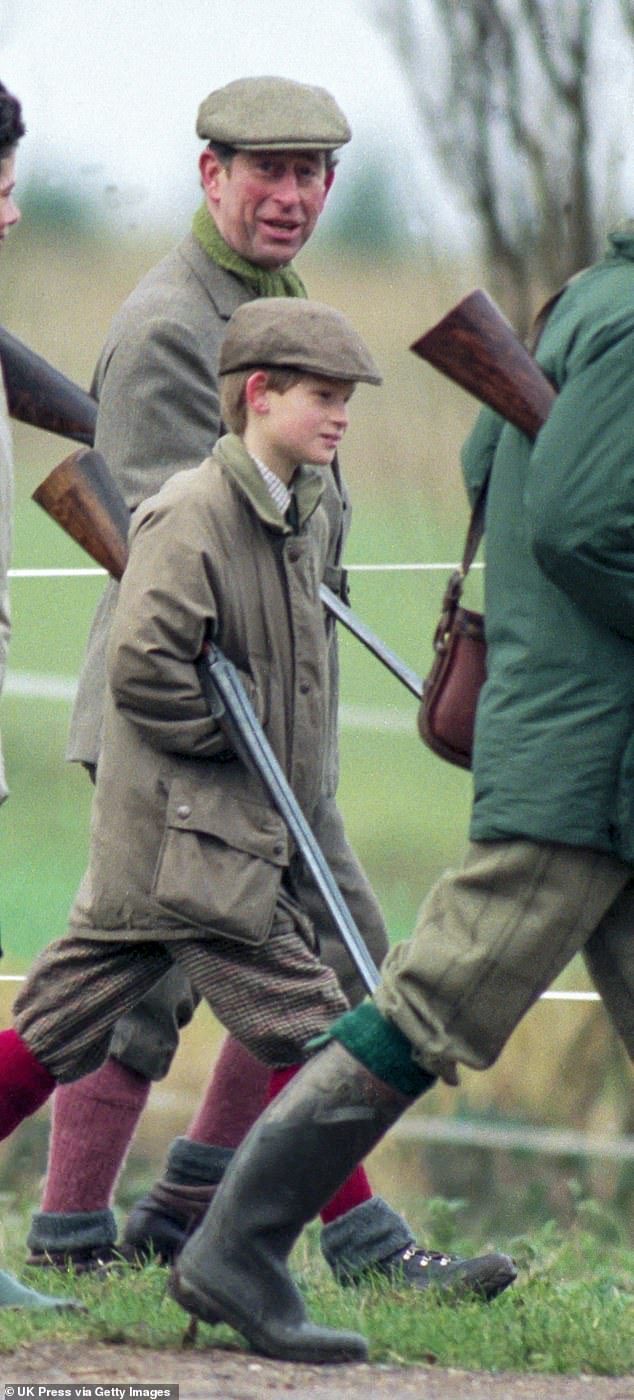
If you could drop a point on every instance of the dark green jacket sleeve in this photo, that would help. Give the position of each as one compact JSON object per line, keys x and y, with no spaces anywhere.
{"x":579,"y":498}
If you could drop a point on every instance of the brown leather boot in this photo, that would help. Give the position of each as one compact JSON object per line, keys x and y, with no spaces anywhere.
{"x":161,"y":1222}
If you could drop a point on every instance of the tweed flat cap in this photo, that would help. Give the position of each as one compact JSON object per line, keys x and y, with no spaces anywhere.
{"x":291,"y":333}
{"x":272,"y":114}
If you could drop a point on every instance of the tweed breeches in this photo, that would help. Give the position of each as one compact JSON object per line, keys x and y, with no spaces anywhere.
{"x":272,"y":997}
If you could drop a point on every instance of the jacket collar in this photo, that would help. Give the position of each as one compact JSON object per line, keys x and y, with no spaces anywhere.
{"x":308,"y":485}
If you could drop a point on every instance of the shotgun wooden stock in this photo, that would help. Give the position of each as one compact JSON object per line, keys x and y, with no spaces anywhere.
{"x":476,"y":346}
{"x":83,"y":497}
{"x":42,"y":396}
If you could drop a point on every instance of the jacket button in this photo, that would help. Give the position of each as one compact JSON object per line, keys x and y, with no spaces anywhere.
{"x":183,"y":812}
{"x":304,"y":687}
{"x":278,"y":849}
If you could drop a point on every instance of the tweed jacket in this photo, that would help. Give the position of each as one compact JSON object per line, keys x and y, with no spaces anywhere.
{"x":182,"y":844}
{"x":156,"y":382}
{"x":6,"y":518}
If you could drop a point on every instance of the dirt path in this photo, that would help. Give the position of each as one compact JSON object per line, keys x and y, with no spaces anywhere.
{"x":223,"y":1375}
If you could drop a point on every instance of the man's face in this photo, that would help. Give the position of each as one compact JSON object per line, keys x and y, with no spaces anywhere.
{"x":9,"y":212}
{"x":266,"y":204}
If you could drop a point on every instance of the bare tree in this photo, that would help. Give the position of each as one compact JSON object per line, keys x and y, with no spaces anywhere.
{"x":507,"y":104}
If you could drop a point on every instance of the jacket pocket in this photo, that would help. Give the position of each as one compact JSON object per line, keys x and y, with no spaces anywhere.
{"x":221,"y":860}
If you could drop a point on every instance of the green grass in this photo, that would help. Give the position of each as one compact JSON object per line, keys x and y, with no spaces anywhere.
{"x":571,"y":1311}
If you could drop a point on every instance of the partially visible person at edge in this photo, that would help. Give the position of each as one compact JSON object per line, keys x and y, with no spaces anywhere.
{"x":12,"y":129}
{"x":549,"y":871}
{"x":266,"y":170}
{"x":189,"y":863}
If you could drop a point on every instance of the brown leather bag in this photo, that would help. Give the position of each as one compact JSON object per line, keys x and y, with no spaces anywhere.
{"x":446,"y":715}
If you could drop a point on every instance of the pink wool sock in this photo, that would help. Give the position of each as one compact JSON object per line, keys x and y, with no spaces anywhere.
{"x":356,"y":1189}
{"x":235,"y":1097}
{"x":94,"y":1121}
{"x":25,"y":1083}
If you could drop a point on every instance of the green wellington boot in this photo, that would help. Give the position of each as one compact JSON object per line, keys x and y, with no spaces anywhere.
{"x":15,"y":1295}
{"x":300,"y":1151}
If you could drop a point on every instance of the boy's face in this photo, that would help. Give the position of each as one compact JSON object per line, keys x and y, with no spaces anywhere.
{"x":305,"y":423}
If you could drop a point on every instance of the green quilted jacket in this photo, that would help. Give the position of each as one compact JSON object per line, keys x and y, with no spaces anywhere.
{"x":554,"y":747}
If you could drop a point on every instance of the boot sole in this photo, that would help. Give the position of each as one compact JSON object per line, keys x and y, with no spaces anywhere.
{"x":345,"y":1347}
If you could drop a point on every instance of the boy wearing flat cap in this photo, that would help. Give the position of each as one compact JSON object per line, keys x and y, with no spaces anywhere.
{"x":189,"y":863}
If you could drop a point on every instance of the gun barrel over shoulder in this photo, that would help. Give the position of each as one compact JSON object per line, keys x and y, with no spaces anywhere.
{"x":476,"y":347}
{"x":40,"y":395}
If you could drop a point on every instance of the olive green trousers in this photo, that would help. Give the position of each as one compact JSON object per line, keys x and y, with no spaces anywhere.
{"x":493,"y":935}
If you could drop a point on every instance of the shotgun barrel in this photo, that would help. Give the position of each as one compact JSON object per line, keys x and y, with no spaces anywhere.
{"x":42,"y":396}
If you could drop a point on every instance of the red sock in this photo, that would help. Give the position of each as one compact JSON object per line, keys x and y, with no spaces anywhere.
{"x":25,"y":1083}
{"x":356,"y":1188}
{"x":94,"y":1122}
{"x":235,"y":1097}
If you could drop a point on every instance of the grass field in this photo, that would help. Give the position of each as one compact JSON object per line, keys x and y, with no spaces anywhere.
{"x":569,"y":1313}
{"x":405,"y":810}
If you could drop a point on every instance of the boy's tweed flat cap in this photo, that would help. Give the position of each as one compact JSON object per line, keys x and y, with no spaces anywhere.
{"x":291,"y":333}
{"x":272,"y":114}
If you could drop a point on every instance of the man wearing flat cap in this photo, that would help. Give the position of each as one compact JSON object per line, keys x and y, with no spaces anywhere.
{"x":266,"y":170}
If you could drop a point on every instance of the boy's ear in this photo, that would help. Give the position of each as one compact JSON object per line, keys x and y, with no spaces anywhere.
{"x":256,"y":391}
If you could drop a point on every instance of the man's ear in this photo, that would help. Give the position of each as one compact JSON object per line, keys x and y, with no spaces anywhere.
{"x":256,"y":391}
{"x":210,"y":170}
{"x":330,"y":175}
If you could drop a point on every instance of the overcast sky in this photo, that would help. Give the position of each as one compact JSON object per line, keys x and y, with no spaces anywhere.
{"x":110,"y":88}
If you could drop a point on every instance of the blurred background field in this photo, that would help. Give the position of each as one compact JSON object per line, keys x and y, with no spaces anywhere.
{"x":406,"y":811}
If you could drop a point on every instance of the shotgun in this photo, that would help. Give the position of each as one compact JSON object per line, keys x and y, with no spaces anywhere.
{"x":83,"y":497}
{"x":476,"y":347}
{"x":42,"y":396}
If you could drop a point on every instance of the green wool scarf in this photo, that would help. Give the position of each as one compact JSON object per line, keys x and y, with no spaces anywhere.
{"x":266,"y":282}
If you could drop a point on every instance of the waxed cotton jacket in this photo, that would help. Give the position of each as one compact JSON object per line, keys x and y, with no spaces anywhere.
{"x":554,"y":745}
{"x":181,"y":841}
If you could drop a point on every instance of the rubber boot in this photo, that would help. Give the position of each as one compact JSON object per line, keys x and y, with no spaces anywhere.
{"x":300,"y":1151}
{"x":15,"y":1295}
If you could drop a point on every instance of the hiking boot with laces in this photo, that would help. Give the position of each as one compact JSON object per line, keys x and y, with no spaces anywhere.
{"x":414,"y":1267}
